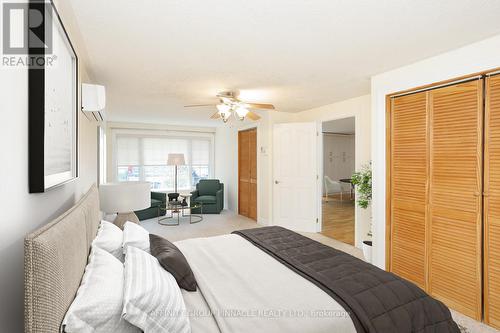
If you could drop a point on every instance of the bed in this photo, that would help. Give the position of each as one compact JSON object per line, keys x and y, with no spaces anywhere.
{"x":259,"y":280}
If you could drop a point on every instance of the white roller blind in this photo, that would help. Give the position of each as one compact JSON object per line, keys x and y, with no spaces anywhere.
{"x":127,"y":150}
{"x":144,"y":157}
{"x":156,"y":150}
{"x":201,"y":152}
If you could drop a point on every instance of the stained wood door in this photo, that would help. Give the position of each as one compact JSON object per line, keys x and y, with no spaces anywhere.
{"x":409,"y":171}
{"x":295,"y":172}
{"x":436,"y":153}
{"x":492,"y":203}
{"x":455,"y":197}
{"x":247,"y":173}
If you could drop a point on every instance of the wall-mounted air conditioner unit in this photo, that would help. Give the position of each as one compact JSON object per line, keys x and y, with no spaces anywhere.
{"x":94,"y":101}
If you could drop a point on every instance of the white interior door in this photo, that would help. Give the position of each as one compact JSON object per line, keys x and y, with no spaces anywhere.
{"x":295,"y":195}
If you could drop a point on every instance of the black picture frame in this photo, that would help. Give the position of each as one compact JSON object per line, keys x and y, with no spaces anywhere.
{"x":40,"y":180}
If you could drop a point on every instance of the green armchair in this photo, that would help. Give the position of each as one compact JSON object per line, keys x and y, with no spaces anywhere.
{"x":157,"y":198}
{"x":210,"y":193}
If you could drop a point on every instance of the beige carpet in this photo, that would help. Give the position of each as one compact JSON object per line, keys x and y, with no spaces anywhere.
{"x":225,"y":223}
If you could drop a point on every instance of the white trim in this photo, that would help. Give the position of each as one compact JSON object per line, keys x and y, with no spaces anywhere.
{"x":159,"y":127}
{"x":319,"y":175}
{"x":355,"y":115}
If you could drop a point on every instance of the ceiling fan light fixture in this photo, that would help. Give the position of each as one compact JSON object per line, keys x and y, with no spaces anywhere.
{"x":225,"y":100}
{"x":225,"y":116}
{"x":223,"y":108}
{"x":241,"y":112}
{"x":224,"y":111}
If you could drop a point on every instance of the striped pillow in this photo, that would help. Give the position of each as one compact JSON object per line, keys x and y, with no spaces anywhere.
{"x":152,"y":299}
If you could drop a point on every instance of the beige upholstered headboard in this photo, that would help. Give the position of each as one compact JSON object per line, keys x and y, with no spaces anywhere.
{"x":55,"y":257}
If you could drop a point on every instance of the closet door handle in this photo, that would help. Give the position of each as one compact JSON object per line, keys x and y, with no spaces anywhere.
{"x":477,"y":194}
{"x":486,"y":194}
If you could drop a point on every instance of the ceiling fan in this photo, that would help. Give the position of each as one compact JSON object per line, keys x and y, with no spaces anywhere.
{"x":229,"y":103}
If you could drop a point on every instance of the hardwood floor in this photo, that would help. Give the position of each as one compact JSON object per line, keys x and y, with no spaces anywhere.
{"x":338,"y":219}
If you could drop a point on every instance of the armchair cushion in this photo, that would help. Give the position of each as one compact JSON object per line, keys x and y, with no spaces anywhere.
{"x":208,"y":186}
{"x":206,"y":199}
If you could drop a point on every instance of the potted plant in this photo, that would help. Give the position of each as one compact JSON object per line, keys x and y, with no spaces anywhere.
{"x":362,"y":180}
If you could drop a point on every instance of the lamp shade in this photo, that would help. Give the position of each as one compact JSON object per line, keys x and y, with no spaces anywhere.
{"x":176,"y":159}
{"x":124,"y":197}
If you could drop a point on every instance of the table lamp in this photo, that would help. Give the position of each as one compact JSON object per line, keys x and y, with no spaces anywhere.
{"x":124,"y":198}
{"x":176,"y":160}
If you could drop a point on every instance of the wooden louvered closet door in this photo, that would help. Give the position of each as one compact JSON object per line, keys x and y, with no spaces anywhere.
{"x":409,"y":164}
{"x":436,"y":192}
{"x":247,"y":173}
{"x":492,"y":203}
{"x":455,"y":197}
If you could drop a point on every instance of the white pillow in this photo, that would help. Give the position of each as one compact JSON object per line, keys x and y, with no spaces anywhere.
{"x":98,"y":304}
{"x":152,"y":299}
{"x":136,"y":236}
{"x":110,"y":238}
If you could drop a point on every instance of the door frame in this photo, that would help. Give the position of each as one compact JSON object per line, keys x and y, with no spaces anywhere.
{"x":243,"y":129}
{"x":321,"y":172}
{"x":358,"y":236}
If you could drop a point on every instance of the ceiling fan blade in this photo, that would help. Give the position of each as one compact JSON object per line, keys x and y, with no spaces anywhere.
{"x":216,"y":115}
{"x":252,"y":115}
{"x":198,"y":105}
{"x":260,"y":106}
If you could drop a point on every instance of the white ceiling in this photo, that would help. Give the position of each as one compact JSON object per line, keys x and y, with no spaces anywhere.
{"x":155,"y":56}
{"x":340,"y":126}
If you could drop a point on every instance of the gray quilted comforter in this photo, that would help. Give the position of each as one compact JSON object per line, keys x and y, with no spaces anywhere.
{"x":377,"y":301}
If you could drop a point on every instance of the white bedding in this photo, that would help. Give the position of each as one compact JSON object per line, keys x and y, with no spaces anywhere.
{"x":249,"y":291}
{"x":199,"y":313}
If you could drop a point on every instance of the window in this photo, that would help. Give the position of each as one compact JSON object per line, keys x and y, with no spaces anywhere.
{"x":145,"y":158}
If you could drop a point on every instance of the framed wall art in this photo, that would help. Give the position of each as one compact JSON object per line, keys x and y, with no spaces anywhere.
{"x":53,"y":100}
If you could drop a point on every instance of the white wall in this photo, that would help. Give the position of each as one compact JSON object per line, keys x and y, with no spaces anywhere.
{"x":226,"y":157}
{"x":226,"y":152}
{"x":470,"y":59}
{"x":338,"y":156}
{"x":358,"y":107}
{"x":23,"y":212}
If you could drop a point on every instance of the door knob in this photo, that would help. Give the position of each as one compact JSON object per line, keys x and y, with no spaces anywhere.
{"x":276,"y":182}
